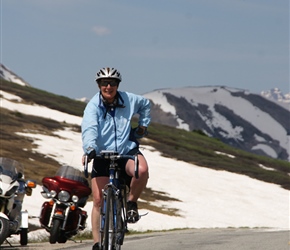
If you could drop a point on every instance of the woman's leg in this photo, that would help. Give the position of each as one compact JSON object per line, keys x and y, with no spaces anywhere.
{"x":98,"y":184}
{"x":137,"y":185}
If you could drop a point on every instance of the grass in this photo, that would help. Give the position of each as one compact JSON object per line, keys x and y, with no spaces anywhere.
{"x":149,"y":196}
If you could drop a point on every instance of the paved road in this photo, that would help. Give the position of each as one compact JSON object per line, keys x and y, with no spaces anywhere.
{"x":201,"y":239}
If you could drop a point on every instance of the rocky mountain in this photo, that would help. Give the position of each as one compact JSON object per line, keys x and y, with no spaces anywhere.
{"x":277,"y":96}
{"x":10,"y":76}
{"x":243,"y":120}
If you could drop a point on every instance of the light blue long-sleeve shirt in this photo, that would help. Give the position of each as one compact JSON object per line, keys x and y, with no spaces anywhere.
{"x":110,"y":130}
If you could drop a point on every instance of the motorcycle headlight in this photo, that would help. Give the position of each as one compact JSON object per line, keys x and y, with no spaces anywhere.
{"x":63,"y":196}
{"x":75,"y":199}
{"x":52,"y":193}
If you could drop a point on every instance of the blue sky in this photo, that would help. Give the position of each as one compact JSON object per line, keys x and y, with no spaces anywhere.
{"x":59,"y":45}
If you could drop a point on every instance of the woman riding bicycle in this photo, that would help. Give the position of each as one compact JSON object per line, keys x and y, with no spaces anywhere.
{"x":106,"y":125}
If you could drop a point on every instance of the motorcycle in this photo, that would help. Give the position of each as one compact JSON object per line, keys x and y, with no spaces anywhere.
{"x":68,"y":192}
{"x":13,"y":188}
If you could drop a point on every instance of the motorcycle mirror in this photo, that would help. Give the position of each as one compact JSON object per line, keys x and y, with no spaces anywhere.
{"x":31,"y":184}
{"x":17,"y":177}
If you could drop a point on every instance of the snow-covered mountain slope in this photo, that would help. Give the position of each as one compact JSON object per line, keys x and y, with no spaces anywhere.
{"x":208,"y":199}
{"x":10,"y":76}
{"x":278,"y":97}
{"x":247,"y":121}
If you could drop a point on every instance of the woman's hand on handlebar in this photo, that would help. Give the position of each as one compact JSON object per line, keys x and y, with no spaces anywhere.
{"x":84,"y":159}
{"x":140,"y":132}
{"x":89,"y":156}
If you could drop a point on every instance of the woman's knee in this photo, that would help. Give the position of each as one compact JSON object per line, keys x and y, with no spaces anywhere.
{"x":97,"y":185}
{"x":143,"y":171}
{"x":143,"y":165}
{"x":97,"y":201}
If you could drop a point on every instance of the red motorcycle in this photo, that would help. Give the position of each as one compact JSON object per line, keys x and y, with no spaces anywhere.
{"x":68,"y":192}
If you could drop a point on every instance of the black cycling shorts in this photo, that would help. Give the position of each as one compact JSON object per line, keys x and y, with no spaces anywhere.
{"x":101,"y":166}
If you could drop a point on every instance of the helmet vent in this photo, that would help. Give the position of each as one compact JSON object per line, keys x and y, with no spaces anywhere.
{"x":109,"y":73}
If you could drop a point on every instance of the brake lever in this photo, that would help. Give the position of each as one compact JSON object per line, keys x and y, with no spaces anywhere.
{"x":86,"y":166}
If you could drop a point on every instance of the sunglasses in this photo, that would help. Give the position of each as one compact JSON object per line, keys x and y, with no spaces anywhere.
{"x":106,"y":83}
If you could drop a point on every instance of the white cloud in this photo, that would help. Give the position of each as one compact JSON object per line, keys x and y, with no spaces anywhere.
{"x":101,"y":30}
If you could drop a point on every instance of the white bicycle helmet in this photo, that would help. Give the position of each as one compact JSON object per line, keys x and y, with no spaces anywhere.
{"x":108,"y":73}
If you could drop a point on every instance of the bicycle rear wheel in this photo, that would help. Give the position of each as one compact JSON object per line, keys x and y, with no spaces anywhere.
{"x":121,"y":218}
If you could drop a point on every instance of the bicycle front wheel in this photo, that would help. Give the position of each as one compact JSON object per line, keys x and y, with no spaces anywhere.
{"x":107,"y":223}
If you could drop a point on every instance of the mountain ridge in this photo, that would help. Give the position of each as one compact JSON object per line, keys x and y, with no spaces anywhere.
{"x":274,"y":94}
{"x":8,"y":75}
{"x":236,"y":117}
{"x":235,"y":130}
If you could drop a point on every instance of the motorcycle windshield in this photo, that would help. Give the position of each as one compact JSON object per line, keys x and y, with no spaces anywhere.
{"x":71,"y":173}
{"x":10,"y":167}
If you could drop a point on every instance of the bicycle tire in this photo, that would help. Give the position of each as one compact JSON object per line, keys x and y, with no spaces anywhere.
{"x":119,"y":224}
{"x":121,"y":218}
{"x":107,"y":231}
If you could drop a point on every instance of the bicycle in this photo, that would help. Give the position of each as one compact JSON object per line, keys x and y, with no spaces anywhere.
{"x":113,"y":221}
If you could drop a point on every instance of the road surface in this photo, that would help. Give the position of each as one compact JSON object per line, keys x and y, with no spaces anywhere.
{"x":201,"y":239}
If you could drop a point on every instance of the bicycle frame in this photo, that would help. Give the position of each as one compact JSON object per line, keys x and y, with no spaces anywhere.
{"x":113,"y":221}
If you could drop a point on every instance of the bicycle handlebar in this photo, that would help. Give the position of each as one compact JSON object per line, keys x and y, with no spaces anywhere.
{"x":86,"y":166}
{"x":112,"y":156}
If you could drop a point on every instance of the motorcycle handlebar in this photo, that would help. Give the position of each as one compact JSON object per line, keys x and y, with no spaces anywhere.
{"x":111,"y":155}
